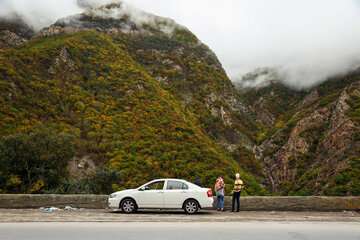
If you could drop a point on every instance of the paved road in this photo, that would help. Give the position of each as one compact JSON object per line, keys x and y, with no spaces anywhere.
{"x":180,"y":231}
{"x":84,"y":215}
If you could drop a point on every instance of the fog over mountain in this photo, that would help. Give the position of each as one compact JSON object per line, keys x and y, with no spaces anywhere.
{"x":306,"y":41}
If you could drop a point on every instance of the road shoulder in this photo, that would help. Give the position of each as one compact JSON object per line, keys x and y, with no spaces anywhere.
{"x":85,"y":215}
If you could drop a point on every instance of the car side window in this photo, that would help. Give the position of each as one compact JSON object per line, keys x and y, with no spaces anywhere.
{"x":155,"y":186}
{"x":175,"y":185}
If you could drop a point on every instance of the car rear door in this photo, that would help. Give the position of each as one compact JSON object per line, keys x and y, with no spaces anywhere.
{"x":175,"y":193}
{"x":151,"y":195}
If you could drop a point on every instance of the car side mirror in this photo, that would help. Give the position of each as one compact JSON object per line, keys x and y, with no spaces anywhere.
{"x":146,"y":188}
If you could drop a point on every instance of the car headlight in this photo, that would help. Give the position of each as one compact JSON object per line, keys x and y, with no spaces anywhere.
{"x":112,"y":195}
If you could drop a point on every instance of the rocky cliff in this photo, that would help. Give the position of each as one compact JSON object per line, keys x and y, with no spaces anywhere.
{"x":14,"y":32}
{"x":309,"y":143}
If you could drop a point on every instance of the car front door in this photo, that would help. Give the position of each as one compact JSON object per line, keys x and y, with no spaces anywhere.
{"x":151,"y":195}
{"x":175,"y":194}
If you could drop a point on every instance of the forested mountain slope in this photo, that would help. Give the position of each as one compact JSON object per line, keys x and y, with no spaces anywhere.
{"x":81,"y":112}
{"x":106,"y":100}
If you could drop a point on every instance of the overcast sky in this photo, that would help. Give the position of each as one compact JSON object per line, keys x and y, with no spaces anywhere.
{"x":308,"y":40}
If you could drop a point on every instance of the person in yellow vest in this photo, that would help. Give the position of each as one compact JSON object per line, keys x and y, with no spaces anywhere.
{"x":238,"y":186}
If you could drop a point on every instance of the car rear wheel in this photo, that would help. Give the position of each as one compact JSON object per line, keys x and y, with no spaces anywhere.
{"x":191,"y":206}
{"x":128,"y":206}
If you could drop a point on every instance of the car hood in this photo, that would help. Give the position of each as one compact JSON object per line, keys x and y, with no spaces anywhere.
{"x":125,"y":191}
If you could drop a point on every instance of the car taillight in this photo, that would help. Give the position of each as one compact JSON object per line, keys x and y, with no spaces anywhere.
{"x":209,"y":193}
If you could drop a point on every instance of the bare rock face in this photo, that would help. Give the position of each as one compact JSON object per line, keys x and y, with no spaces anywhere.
{"x":14,"y":32}
{"x":269,"y":102}
{"x":218,"y":111}
{"x":310,"y":98}
{"x":62,"y":63}
{"x":339,"y":136}
{"x":10,"y":39}
{"x":56,"y":30}
{"x":81,"y":167}
{"x":278,"y":166}
{"x":298,"y":144}
{"x":16,"y":25}
{"x":263,"y":114}
{"x":317,"y":147}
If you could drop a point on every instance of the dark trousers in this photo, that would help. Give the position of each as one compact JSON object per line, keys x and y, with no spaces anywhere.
{"x":236,"y":199}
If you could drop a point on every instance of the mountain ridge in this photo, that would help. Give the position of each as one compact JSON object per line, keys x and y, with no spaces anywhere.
{"x":136,"y":101}
{"x":62,"y":83}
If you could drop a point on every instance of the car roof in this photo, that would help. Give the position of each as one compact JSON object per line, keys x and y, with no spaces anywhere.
{"x":167,"y":179}
{"x":174,"y":179}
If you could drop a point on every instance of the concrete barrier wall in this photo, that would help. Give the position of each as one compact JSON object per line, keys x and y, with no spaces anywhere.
{"x":50,"y":200}
{"x":297,"y":203}
{"x":247,"y":203}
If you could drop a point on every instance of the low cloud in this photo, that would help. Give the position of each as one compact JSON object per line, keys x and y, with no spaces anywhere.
{"x":135,"y":15}
{"x":306,"y":41}
{"x":38,"y":13}
{"x":93,"y":3}
{"x":42,"y":13}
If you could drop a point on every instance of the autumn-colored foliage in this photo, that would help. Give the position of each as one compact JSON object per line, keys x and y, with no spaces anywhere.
{"x":87,"y":86}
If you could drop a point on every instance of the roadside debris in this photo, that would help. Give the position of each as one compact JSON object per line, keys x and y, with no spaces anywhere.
{"x":54,"y":209}
{"x":49,"y":209}
{"x":70,"y":208}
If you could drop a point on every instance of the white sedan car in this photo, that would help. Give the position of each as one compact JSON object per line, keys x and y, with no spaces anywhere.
{"x":163,"y":194}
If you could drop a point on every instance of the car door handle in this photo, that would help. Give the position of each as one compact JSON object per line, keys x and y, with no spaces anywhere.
{"x":160,"y":192}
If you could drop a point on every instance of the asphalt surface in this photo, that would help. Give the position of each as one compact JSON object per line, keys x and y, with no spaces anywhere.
{"x":180,"y":231}
{"x":84,"y":215}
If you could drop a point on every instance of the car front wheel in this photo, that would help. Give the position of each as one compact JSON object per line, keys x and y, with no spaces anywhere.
{"x":128,"y":206}
{"x":191,"y":207}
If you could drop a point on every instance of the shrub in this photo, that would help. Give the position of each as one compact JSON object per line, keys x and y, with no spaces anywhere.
{"x":34,"y":161}
{"x":104,"y":181}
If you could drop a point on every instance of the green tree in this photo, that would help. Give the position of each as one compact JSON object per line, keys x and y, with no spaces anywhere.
{"x":34,"y":162}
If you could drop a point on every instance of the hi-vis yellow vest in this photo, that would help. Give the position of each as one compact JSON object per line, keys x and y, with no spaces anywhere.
{"x":238,"y":185}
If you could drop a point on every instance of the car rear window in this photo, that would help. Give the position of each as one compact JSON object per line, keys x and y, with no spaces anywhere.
{"x":175,"y":185}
